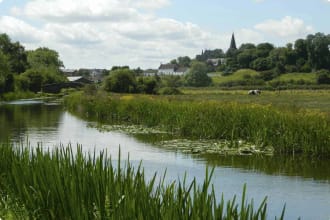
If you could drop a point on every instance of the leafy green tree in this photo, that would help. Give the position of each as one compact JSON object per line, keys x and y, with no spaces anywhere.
{"x":246,"y":46}
{"x":35,"y":79}
{"x":261,"y":64}
{"x":197,"y":75}
{"x":184,"y":61}
{"x":43,"y":57}
{"x":16,"y":54}
{"x":319,"y":51}
{"x":264,"y":49}
{"x":4,"y":72}
{"x":120,"y":80}
{"x":246,"y":57}
{"x":300,"y":46}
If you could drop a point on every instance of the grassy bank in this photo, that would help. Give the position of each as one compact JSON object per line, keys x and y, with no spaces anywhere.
{"x":288,"y":132}
{"x":61,"y":185}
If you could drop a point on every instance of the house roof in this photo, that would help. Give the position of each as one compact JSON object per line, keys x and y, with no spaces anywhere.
{"x":167,"y":66}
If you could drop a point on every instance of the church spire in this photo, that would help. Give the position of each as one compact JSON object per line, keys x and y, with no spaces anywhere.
{"x":233,"y":42}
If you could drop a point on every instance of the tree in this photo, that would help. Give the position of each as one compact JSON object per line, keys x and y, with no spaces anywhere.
{"x":184,"y":61}
{"x":34,"y":79}
{"x":44,"y":58}
{"x":120,"y":80}
{"x":261,"y":64}
{"x":245,"y":58}
{"x":16,"y":54}
{"x":264,"y":49}
{"x":4,"y":71}
{"x":319,"y":51}
{"x":197,"y":75}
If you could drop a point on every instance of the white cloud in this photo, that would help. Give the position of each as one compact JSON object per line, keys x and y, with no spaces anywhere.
{"x":287,"y":27}
{"x":102,"y":33}
{"x":18,"y":29}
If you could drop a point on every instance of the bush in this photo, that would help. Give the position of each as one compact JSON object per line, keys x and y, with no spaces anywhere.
{"x":323,"y":77}
{"x":197,"y":75}
{"x":120,"y":80}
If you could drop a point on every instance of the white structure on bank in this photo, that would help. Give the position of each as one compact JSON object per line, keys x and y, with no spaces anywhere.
{"x":172,"y":69}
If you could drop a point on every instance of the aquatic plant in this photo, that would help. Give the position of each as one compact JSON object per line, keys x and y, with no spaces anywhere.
{"x":68,"y":184}
{"x":287,"y":131}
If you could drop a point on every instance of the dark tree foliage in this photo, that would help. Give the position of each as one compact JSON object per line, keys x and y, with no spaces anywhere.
{"x":15,"y":52}
{"x":120,"y":80}
{"x":210,"y":54}
{"x":197,"y":75}
{"x":323,"y":77}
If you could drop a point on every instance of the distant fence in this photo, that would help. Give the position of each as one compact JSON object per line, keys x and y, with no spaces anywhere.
{"x":56,"y":87}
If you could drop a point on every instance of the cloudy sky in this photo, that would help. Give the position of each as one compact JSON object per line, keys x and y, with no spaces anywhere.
{"x":145,"y":33}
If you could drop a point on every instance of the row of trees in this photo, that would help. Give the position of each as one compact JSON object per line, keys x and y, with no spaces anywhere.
{"x":304,"y":55}
{"x":125,"y":80}
{"x":22,"y":70}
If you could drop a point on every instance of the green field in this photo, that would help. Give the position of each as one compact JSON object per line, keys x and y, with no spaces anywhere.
{"x":288,"y":99}
{"x":239,"y":75}
{"x":296,"y":77}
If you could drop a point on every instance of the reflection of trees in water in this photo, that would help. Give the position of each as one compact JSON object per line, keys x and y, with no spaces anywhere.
{"x":306,"y":167}
{"x":15,"y":120}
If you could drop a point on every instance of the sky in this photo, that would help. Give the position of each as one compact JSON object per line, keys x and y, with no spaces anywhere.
{"x":146,"y":33}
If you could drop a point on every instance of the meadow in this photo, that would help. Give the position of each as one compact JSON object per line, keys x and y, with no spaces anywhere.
{"x":38,"y":184}
{"x":288,"y":130}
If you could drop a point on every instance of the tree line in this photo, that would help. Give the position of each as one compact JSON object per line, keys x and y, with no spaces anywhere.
{"x":311,"y":54}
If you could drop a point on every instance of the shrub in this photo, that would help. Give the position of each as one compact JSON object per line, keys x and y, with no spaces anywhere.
{"x":323,"y":77}
{"x":120,"y":80}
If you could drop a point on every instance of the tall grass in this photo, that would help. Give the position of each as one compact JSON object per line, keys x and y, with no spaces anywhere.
{"x":289,"y":132}
{"x":66,"y":185}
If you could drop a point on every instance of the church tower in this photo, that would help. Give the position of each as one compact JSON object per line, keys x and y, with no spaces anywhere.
{"x":233,"y":43}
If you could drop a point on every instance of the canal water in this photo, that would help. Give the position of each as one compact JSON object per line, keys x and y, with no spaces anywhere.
{"x":302,"y":184}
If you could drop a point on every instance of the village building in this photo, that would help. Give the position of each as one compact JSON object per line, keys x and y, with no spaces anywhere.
{"x":172,"y":69}
{"x":150,"y":72}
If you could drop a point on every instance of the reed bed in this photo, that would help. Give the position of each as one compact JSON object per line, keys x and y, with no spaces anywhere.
{"x":66,"y":185}
{"x":287,"y":131}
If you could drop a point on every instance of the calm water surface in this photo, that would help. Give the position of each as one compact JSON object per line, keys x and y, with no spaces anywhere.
{"x":302,"y":184}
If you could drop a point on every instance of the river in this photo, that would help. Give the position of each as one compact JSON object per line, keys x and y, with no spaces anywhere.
{"x":302,"y":184}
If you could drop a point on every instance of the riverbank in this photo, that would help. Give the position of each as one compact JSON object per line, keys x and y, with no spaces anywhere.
{"x":61,"y":185}
{"x":287,"y":132}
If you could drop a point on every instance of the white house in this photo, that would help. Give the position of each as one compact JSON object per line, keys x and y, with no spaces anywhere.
{"x":172,"y":69}
{"x":167,"y":69}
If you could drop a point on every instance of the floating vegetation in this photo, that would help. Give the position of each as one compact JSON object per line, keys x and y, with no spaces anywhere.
{"x":214,"y":147}
{"x":129,"y":129}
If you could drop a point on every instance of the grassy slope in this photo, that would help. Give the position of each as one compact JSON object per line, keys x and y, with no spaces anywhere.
{"x":308,"y":77}
{"x":237,"y":76}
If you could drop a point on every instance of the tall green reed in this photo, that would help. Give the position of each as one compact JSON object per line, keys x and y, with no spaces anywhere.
{"x":289,"y":132}
{"x":62,"y":184}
